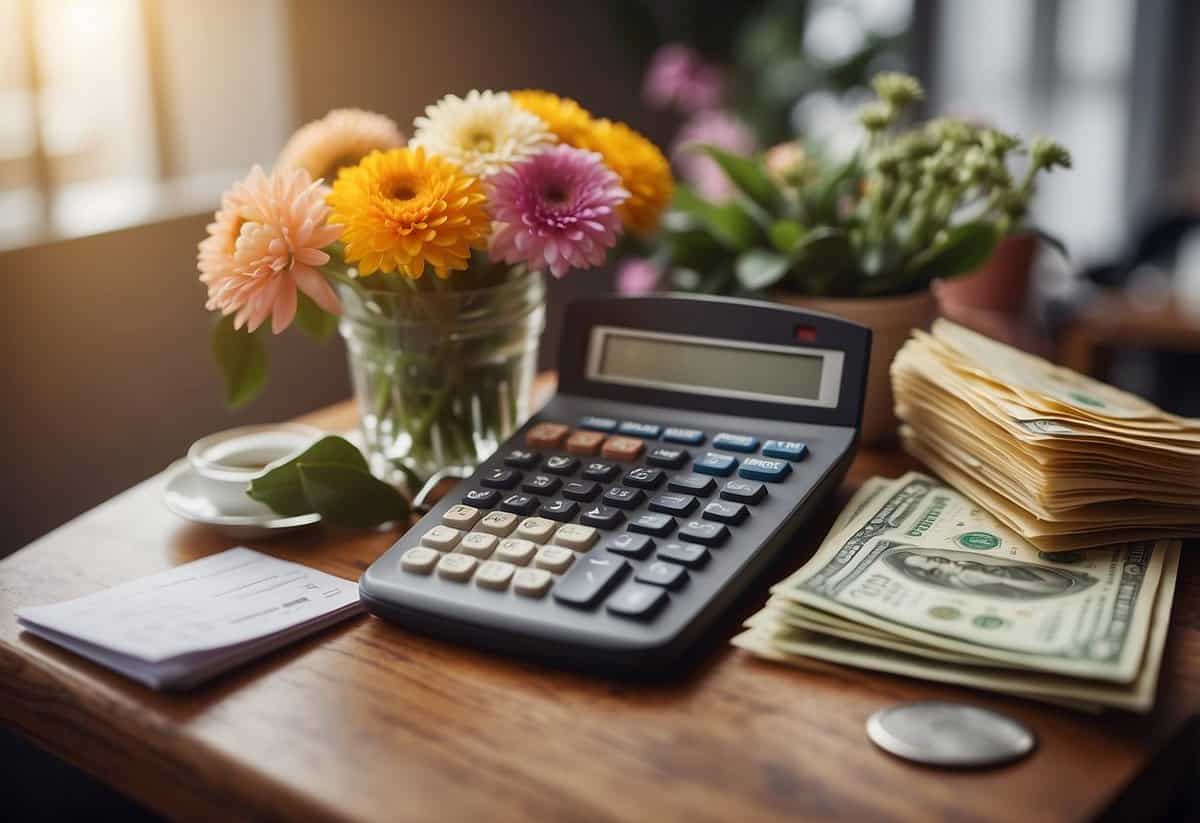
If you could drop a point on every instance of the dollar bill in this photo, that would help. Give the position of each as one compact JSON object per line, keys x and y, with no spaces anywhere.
{"x":924,"y":563}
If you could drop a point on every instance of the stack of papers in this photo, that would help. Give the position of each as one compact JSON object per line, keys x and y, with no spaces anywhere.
{"x":1065,"y":461}
{"x":179,"y":628}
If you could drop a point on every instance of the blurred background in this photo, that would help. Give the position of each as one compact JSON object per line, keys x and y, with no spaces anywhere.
{"x":121,"y":122}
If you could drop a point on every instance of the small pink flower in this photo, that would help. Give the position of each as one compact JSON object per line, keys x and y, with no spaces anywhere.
{"x":264,"y":243}
{"x":637,"y":276}
{"x":678,"y":76}
{"x":557,"y":209}
{"x":710,"y":128}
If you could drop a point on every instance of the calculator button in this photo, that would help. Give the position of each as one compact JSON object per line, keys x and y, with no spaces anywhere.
{"x":644,"y":477}
{"x":442,"y":538}
{"x":532,"y":582}
{"x":622,"y":448}
{"x":636,"y":601}
{"x":585,"y":443}
{"x":689,"y":437}
{"x":724,"y":512}
{"x":599,"y":424}
{"x":574,"y":536}
{"x":630,"y":545}
{"x":635,"y":429}
{"x":763,"y":468}
{"x":478,"y":544}
{"x":457,"y":567}
{"x":521,"y":459}
{"x":483,"y":498}
{"x":541,"y":484}
{"x":667,"y":458}
{"x":561,"y":510}
{"x":722,"y":465}
{"x":680,"y":504}
{"x":519,"y":504}
{"x":786,"y":449}
{"x":537,"y":529}
{"x":685,"y":554}
{"x":700,"y":531}
{"x":590,"y":580}
{"x":735,"y":442}
{"x":500,"y":478}
{"x":603,"y":472}
{"x":697,"y":484}
{"x":494,"y":575}
{"x":584,"y":490}
{"x":602,"y":517}
{"x":661,"y":573}
{"x":659,"y":525}
{"x":624,"y":498}
{"x":546,"y":436}
{"x":500,"y":524}
{"x":553,"y":558}
{"x":561,"y":464}
{"x":419,"y":560}
{"x":460,"y":517}
{"x":516,"y":551}
{"x":743,"y":491}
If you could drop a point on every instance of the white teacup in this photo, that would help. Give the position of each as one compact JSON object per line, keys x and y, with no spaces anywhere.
{"x":227,"y":461}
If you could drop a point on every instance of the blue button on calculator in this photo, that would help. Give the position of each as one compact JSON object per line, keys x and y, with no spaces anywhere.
{"x":619,"y":556}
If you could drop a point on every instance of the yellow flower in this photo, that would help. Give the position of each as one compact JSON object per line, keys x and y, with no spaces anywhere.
{"x":566,"y":119}
{"x":404,"y":208}
{"x":643,"y":170}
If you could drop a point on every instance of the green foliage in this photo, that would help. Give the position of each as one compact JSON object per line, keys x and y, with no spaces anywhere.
{"x":312,"y":319}
{"x":330,"y":478}
{"x":242,"y":359}
{"x":909,"y":207}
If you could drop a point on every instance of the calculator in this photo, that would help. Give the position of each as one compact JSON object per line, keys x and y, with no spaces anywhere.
{"x":689,"y":440}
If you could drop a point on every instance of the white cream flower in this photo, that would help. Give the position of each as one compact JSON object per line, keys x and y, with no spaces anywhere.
{"x":481,"y":133}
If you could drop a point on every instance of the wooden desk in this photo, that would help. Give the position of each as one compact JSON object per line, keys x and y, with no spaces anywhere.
{"x":367,"y":720}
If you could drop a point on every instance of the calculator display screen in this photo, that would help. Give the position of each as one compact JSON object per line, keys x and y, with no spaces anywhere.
{"x":757,"y":371}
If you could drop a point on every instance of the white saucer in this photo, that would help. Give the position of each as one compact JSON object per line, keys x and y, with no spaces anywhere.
{"x":184,"y":495}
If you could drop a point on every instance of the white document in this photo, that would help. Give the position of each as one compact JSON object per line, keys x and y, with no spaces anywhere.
{"x":176,"y":629}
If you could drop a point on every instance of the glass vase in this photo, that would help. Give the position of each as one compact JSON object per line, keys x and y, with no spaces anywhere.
{"x":441,"y":376}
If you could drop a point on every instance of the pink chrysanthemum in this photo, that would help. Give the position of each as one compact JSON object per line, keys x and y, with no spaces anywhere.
{"x":264,"y":243}
{"x":679,"y":76}
{"x":556,"y":209}
{"x":637,"y":276}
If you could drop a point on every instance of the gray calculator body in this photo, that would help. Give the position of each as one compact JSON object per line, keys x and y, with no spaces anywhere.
{"x":637,"y":366}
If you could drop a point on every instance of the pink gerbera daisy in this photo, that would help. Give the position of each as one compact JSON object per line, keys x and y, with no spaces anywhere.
{"x":265,"y":243}
{"x":557,"y":209}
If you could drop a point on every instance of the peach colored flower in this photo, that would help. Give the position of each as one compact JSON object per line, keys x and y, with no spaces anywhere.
{"x":265,"y":242}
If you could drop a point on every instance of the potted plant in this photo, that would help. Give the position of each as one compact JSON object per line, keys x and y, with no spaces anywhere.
{"x":864,"y":238}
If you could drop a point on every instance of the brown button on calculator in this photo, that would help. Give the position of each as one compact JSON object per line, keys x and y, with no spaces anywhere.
{"x":690,"y":439}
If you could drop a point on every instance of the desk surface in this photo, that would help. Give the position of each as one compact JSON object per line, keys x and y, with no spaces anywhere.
{"x":367,"y":720}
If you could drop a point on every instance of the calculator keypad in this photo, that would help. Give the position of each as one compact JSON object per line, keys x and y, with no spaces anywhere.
{"x":605,"y":515}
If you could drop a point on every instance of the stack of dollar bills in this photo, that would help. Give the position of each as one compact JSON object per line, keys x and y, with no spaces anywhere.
{"x":916,"y":579}
{"x":1065,"y":461}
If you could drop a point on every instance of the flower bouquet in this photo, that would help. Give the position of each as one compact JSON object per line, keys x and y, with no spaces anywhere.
{"x":430,"y":251}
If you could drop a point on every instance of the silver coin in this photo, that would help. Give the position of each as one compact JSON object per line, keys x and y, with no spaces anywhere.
{"x":950,"y":734}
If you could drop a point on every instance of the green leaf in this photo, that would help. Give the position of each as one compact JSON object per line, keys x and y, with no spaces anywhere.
{"x":312,"y":319}
{"x":965,"y":248}
{"x":349,"y":497}
{"x":759,"y":269}
{"x":819,"y":258}
{"x":785,"y":235}
{"x":280,"y":488}
{"x":728,"y":223}
{"x":749,"y":176}
{"x":242,"y":359}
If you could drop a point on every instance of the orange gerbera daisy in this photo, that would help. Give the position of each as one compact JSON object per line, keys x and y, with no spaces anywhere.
{"x":643,"y":169}
{"x":566,"y":119}
{"x":403,"y":209}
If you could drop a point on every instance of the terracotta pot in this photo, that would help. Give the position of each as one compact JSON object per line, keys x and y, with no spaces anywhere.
{"x":999,"y":285}
{"x":890,"y":319}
